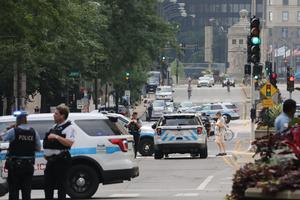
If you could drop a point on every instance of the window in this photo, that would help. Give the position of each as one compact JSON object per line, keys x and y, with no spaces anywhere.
{"x":234,"y":41}
{"x":270,"y":16}
{"x":232,"y":106}
{"x":285,"y":2}
{"x":216,"y":107}
{"x":42,"y":127}
{"x":270,"y":32}
{"x":298,"y":2}
{"x":98,"y":127}
{"x":298,"y":16}
{"x":285,"y":16}
{"x":284,"y":32}
{"x":271,"y":2}
{"x":179,"y":121}
{"x":241,"y":41}
{"x":298,"y":32}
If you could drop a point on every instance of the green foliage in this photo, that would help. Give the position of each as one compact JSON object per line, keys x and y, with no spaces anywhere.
{"x":48,"y":40}
{"x":180,"y":69}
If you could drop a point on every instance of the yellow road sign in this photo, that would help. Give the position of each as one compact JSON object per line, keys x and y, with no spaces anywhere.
{"x":268,"y":103}
{"x":268,"y":90}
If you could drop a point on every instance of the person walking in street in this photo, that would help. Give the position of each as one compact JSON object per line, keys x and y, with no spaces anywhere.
{"x":57,"y":143}
{"x":288,"y":112}
{"x":219,"y":132}
{"x":149,"y":109}
{"x":189,"y":89}
{"x":23,"y":142}
{"x":134,"y":127}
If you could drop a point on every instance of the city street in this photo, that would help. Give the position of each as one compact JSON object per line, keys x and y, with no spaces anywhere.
{"x":180,"y":176}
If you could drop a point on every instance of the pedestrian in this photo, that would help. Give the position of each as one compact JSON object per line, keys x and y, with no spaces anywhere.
{"x":134,"y":127}
{"x":219,"y":132}
{"x":57,"y":143}
{"x":149,"y":109}
{"x":23,"y":142}
{"x":36,"y":109}
{"x":288,"y":112}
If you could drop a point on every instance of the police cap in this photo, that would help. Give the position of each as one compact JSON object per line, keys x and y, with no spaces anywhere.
{"x":20,"y":114}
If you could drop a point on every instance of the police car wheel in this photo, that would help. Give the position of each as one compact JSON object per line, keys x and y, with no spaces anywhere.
{"x":146,"y":147}
{"x":158,"y":155}
{"x":204,"y":152}
{"x":82,"y":182}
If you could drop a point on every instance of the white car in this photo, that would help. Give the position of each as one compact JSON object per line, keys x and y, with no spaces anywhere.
{"x":164,"y":93}
{"x":211,"y":77}
{"x":204,"y":81}
{"x":159,"y":108}
{"x":100,"y":153}
{"x":180,"y":133}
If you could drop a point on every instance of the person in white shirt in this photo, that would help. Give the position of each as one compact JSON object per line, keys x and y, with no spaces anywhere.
{"x":57,"y":143}
{"x":220,"y":131}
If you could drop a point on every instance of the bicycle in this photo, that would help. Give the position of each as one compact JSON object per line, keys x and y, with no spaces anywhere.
{"x":228,"y":135}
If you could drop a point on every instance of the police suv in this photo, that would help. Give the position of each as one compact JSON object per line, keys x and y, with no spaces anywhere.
{"x":101,"y":153}
{"x":180,"y":133}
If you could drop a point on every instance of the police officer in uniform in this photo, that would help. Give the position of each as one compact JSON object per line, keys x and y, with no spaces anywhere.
{"x":57,"y":143}
{"x":23,"y":142}
{"x":134,"y":127}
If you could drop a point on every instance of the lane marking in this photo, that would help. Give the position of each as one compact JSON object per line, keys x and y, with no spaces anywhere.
{"x":124,"y":195}
{"x":186,"y":195}
{"x":203,"y":185}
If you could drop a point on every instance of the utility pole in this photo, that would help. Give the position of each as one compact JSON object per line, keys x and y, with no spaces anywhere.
{"x":252,"y":136}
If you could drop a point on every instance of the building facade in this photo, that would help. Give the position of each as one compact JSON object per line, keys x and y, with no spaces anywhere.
{"x":221,"y":14}
{"x":282,"y":33}
{"x":237,"y":45}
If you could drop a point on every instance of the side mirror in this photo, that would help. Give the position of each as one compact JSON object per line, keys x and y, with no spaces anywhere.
{"x":154,"y":126}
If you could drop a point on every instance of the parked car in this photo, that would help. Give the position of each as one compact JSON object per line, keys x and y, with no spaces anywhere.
{"x":183,"y":106}
{"x":164,"y":93}
{"x":231,"y":82}
{"x":204,"y":81}
{"x":211,"y":77}
{"x":212,"y":109}
{"x":180,"y":133}
{"x":159,"y":107}
{"x":153,"y":81}
{"x":123,"y":110}
{"x":100,"y":153}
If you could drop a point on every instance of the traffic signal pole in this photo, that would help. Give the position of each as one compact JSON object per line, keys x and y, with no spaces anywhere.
{"x":252,"y":136}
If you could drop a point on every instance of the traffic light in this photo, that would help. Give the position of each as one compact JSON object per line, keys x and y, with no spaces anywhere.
{"x":291,"y":83}
{"x":127,"y":75}
{"x":247,"y":69}
{"x":273,"y":79}
{"x":268,"y":68}
{"x":255,"y":39}
{"x":257,"y":70}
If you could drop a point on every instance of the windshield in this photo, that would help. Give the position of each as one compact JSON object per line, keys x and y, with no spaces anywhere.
{"x":158,"y":103}
{"x":179,"y":121}
{"x":186,"y":104}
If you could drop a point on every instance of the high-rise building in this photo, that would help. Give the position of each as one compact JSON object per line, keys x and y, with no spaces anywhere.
{"x":221,"y":14}
{"x":282,"y":34}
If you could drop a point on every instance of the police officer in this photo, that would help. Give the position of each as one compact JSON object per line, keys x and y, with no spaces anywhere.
{"x":134,"y":127}
{"x":23,"y":142}
{"x":57,"y":143}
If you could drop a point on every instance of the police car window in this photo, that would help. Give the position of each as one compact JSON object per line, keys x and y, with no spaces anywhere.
{"x":179,"y":121}
{"x":42,"y":127}
{"x":98,"y":127}
{"x":216,"y":107}
{"x":231,"y":106}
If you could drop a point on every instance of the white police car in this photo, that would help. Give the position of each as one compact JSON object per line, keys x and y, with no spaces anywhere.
{"x":180,"y":133}
{"x":101,"y":152}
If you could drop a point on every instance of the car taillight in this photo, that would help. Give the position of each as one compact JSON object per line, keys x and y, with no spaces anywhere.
{"x":199,"y":130}
{"x":158,"y":131}
{"x":122,"y":143}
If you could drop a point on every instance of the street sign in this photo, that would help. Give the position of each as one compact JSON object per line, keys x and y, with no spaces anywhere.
{"x":268,"y":103}
{"x":268,"y":90}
